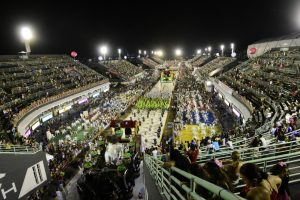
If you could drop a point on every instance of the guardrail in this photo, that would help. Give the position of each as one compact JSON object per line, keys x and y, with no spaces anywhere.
{"x":172,"y":188}
{"x":292,"y":159}
{"x":253,"y":153}
{"x":19,"y":149}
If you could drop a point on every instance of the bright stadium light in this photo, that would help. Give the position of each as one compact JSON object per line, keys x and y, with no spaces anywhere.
{"x":145,"y":52}
{"x":140,"y":51}
{"x":178,"y":52}
{"x":103,"y":51}
{"x":222,"y":49}
{"x":199,"y":51}
{"x":119,"y":51}
{"x":209,"y":49}
{"x":152,"y":52}
{"x":160,"y":53}
{"x":26,"y":34}
{"x":232,"y":47}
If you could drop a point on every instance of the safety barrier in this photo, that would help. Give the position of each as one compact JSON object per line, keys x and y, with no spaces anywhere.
{"x":173,"y":188}
{"x":19,"y":149}
{"x":253,"y":152}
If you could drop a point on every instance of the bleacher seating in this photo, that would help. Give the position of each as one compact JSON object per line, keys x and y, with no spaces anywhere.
{"x":122,"y":68}
{"x":23,"y":82}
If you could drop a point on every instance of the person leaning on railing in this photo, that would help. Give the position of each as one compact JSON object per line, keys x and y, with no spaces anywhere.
{"x":259,"y":185}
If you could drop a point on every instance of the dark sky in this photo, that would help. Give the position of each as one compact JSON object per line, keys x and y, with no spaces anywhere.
{"x":62,"y":27}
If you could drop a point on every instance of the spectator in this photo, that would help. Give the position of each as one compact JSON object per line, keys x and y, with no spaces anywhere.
{"x":259,"y":185}
{"x":193,"y":153}
{"x":154,"y":152}
{"x":281,"y":170}
{"x":233,"y":166}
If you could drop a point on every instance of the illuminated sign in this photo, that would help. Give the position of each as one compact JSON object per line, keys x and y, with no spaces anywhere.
{"x":47,"y":117}
{"x":66,"y":108}
{"x":83,"y":100}
{"x":236,"y":112}
{"x":252,"y":50}
{"x":96,"y":94}
{"x":35,"y":125}
{"x":27,"y":133}
{"x":226,"y":102}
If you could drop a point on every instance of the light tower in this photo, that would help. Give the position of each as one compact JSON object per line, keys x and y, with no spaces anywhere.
{"x":103,"y":51}
{"x":26,"y":35}
{"x":119,"y":51}
{"x":222,"y":49}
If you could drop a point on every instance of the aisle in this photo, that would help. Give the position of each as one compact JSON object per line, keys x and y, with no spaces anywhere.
{"x":139,"y":184}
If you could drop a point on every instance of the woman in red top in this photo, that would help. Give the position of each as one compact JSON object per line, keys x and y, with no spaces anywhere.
{"x":193,"y":153}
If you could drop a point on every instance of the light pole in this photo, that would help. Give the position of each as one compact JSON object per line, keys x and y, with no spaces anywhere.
{"x":222,"y":49}
{"x":103,"y":51}
{"x":119,"y":51}
{"x":232,"y":48}
{"x":209,"y":50}
{"x":26,"y":35}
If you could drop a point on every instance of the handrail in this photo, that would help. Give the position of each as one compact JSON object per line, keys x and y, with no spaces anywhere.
{"x":274,"y":157}
{"x":167,"y":182}
{"x":20,"y":149}
{"x":243,"y":151}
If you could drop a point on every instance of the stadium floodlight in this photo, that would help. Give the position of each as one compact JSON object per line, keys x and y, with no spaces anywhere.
{"x":26,"y":34}
{"x":140,"y":51}
{"x":103,"y":51}
{"x":119,"y":51}
{"x":160,"y":53}
{"x":232,"y":47}
{"x":178,"y":52}
{"x":222,"y":49}
{"x":209,"y":50}
{"x":205,"y":49}
{"x":199,"y":51}
{"x":145,"y":52}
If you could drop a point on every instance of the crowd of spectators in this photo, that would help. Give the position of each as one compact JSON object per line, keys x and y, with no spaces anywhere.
{"x":27,"y":84}
{"x":123,"y":69}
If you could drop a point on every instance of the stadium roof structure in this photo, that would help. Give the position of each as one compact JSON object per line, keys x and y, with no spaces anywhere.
{"x":291,"y":36}
{"x":283,"y":43}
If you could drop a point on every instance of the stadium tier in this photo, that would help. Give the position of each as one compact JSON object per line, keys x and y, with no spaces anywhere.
{"x":200,"y":125}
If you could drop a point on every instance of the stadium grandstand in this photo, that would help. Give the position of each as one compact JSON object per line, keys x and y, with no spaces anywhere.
{"x":149,"y":119}
{"x":60,"y":112}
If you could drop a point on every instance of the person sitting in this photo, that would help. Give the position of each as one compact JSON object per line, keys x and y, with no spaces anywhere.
{"x":193,"y":153}
{"x":209,"y":147}
{"x":233,"y":166}
{"x":217,"y":174}
{"x":259,"y":185}
{"x":281,"y":170}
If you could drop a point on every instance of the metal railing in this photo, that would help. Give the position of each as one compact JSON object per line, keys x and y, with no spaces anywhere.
{"x":253,"y":153}
{"x":173,"y":188}
{"x":19,"y":149}
{"x":292,"y":159}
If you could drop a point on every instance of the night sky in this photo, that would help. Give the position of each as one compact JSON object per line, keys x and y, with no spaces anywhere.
{"x":62,"y":27}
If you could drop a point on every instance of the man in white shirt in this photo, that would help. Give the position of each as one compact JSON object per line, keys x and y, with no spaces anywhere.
{"x":154,"y":153}
{"x":263,"y":141}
